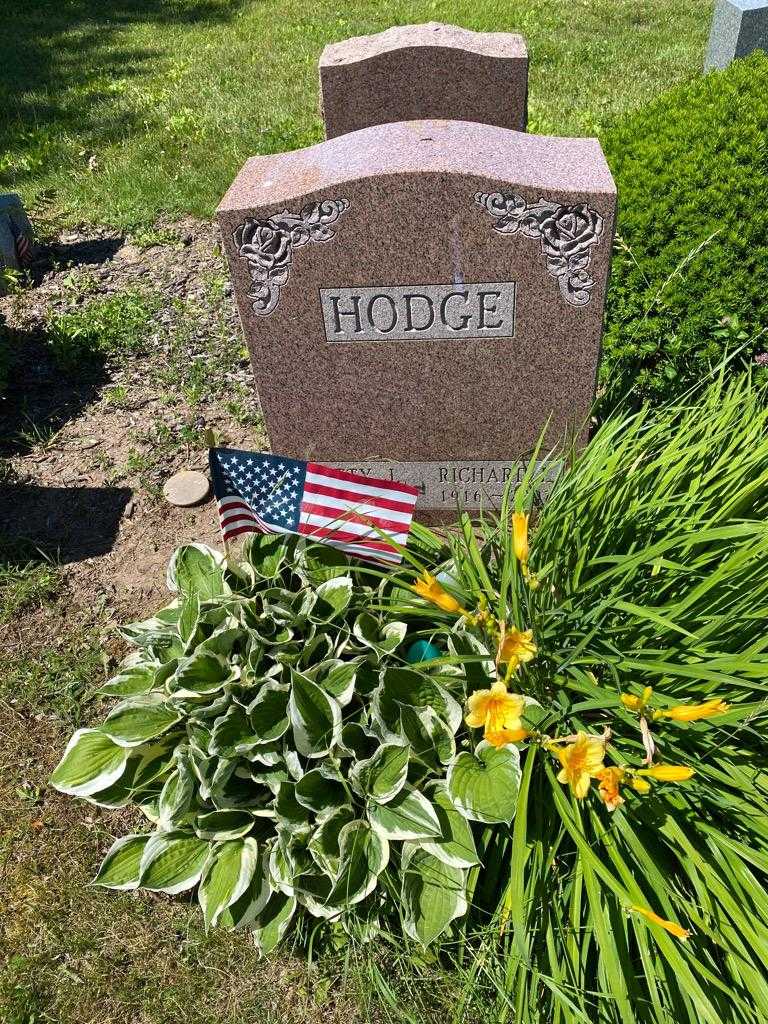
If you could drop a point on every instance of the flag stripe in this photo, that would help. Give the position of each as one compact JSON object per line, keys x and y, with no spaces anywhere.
{"x":340,"y":498}
{"x":339,"y":515}
{"x":363,"y":486}
{"x":331,"y":534}
{"x":356,"y":479}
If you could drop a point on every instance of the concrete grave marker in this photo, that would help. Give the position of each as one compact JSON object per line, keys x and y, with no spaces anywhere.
{"x":738,"y":28}
{"x":420,"y":298}
{"x":416,"y":72}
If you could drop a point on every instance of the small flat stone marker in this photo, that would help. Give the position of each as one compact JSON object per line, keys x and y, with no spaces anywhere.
{"x":421,"y":299}
{"x":738,"y":28}
{"x":418,"y":72}
{"x":187,"y":488}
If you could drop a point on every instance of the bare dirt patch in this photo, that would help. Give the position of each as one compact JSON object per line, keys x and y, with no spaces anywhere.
{"x":86,"y":448}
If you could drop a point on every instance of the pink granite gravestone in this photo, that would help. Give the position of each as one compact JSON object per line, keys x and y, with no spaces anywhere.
{"x":421,"y":298}
{"x":416,"y":72}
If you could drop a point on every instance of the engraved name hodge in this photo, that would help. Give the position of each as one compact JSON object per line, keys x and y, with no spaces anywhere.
{"x":419,"y":311}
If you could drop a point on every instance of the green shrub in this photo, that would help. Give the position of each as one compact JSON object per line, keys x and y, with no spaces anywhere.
{"x":690,"y":272}
{"x":104,"y":327}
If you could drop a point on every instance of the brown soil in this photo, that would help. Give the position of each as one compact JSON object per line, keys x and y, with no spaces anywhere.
{"x":70,"y":485}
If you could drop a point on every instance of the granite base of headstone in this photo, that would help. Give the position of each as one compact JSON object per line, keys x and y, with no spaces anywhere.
{"x":420,"y":72}
{"x":423,"y":299}
{"x":738,"y":28}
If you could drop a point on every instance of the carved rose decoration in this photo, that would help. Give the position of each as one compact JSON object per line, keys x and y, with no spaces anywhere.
{"x":566,"y":234}
{"x":267,"y":246}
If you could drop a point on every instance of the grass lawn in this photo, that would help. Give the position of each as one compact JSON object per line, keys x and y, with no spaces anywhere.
{"x":118,"y":111}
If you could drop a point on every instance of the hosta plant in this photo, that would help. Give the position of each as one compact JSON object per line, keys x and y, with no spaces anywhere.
{"x":288,"y":758}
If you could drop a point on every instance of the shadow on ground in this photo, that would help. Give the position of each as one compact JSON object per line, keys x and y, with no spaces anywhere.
{"x":60,"y":58}
{"x":63,"y":524}
{"x":40,"y":400}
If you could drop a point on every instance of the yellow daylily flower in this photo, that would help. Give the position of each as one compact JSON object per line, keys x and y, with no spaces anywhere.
{"x":520,"y":536}
{"x":517,"y":648}
{"x":498,"y":713}
{"x":667,"y":772}
{"x":429,"y":588}
{"x":693,"y":712}
{"x":670,"y":926}
{"x":637,"y":704}
{"x":609,"y":786}
{"x":582,"y":760}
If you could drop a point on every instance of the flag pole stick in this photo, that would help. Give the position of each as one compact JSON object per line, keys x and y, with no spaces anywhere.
{"x":210,"y":441}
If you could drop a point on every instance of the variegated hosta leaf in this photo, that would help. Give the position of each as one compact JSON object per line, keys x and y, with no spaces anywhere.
{"x":404,"y":688}
{"x":173,"y":862}
{"x":92,"y":762}
{"x":268,"y":712}
{"x":433,"y":894}
{"x":177,"y":795}
{"x":337,"y":678}
{"x":315,"y":717}
{"x":363,"y":855}
{"x":319,"y":562}
{"x":383,"y":639}
{"x":408,"y":816}
{"x":320,"y":789}
{"x":484,"y":785}
{"x":121,"y":869}
{"x":222,"y":825}
{"x":139,"y":720}
{"x":430,"y":737}
{"x":201,"y":673}
{"x":136,"y":676}
{"x":272,"y":922}
{"x":196,"y":569}
{"x":227,"y":875}
{"x":324,"y":844}
{"x":383,"y":775}
{"x":243,"y":912}
{"x":456,"y":844}
{"x":265,"y":553}
{"x":333,"y":598}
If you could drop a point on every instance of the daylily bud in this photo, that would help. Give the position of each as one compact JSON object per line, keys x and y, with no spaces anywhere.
{"x":670,"y":926}
{"x":693,"y":712}
{"x":668,"y":772}
{"x":520,"y":536}
{"x":633,"y":703}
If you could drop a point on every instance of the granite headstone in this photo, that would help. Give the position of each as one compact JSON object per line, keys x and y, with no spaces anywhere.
{"x":17,"y":243}
{"x":738,"y":28}
{"x":421,"y":298}
{"x":416,"y":72}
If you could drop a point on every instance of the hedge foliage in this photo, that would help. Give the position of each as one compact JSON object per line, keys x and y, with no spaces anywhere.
{"x":690,"y":271}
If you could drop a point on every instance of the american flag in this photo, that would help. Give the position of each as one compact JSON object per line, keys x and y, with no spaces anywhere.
{"x":23,"y":245}
{"x":262,"y":493}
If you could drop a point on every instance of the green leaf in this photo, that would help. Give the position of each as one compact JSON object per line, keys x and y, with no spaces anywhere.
{"x":315,"y":717}
{"x":406,"y":688}
{"x":268,"y":712}
{"x":484,"y":785}
{"x":337,"y":678}
{"x":201,"y":673}
{"x":383,"y":775}
{"x":196,"y":570}
{"x":334,"y":596}
{"x":227,"y":824}
{"x":319,"y":562}
{"x":408,"y":816}
{"x":227,"y":876}
{"x":272,"y":922}
{"x":242,"y":912}
{"x":133,"y":679}
{"x":233,"y":734}
{"x":363,"y":855}
{"x":382,"y":639}
{"x":91,"y":763}
{"x":177,"y":795}
{"x":137,"y":721}
{"x":120,"y":869}
{"x":433,"y":894}
{"x":324,"y":844}
{"x":456,"y":845}
{"x":318,"y":790}
{"x":189,"y":617}
{"x":265,"y":553}
{"x":173,"y":862}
